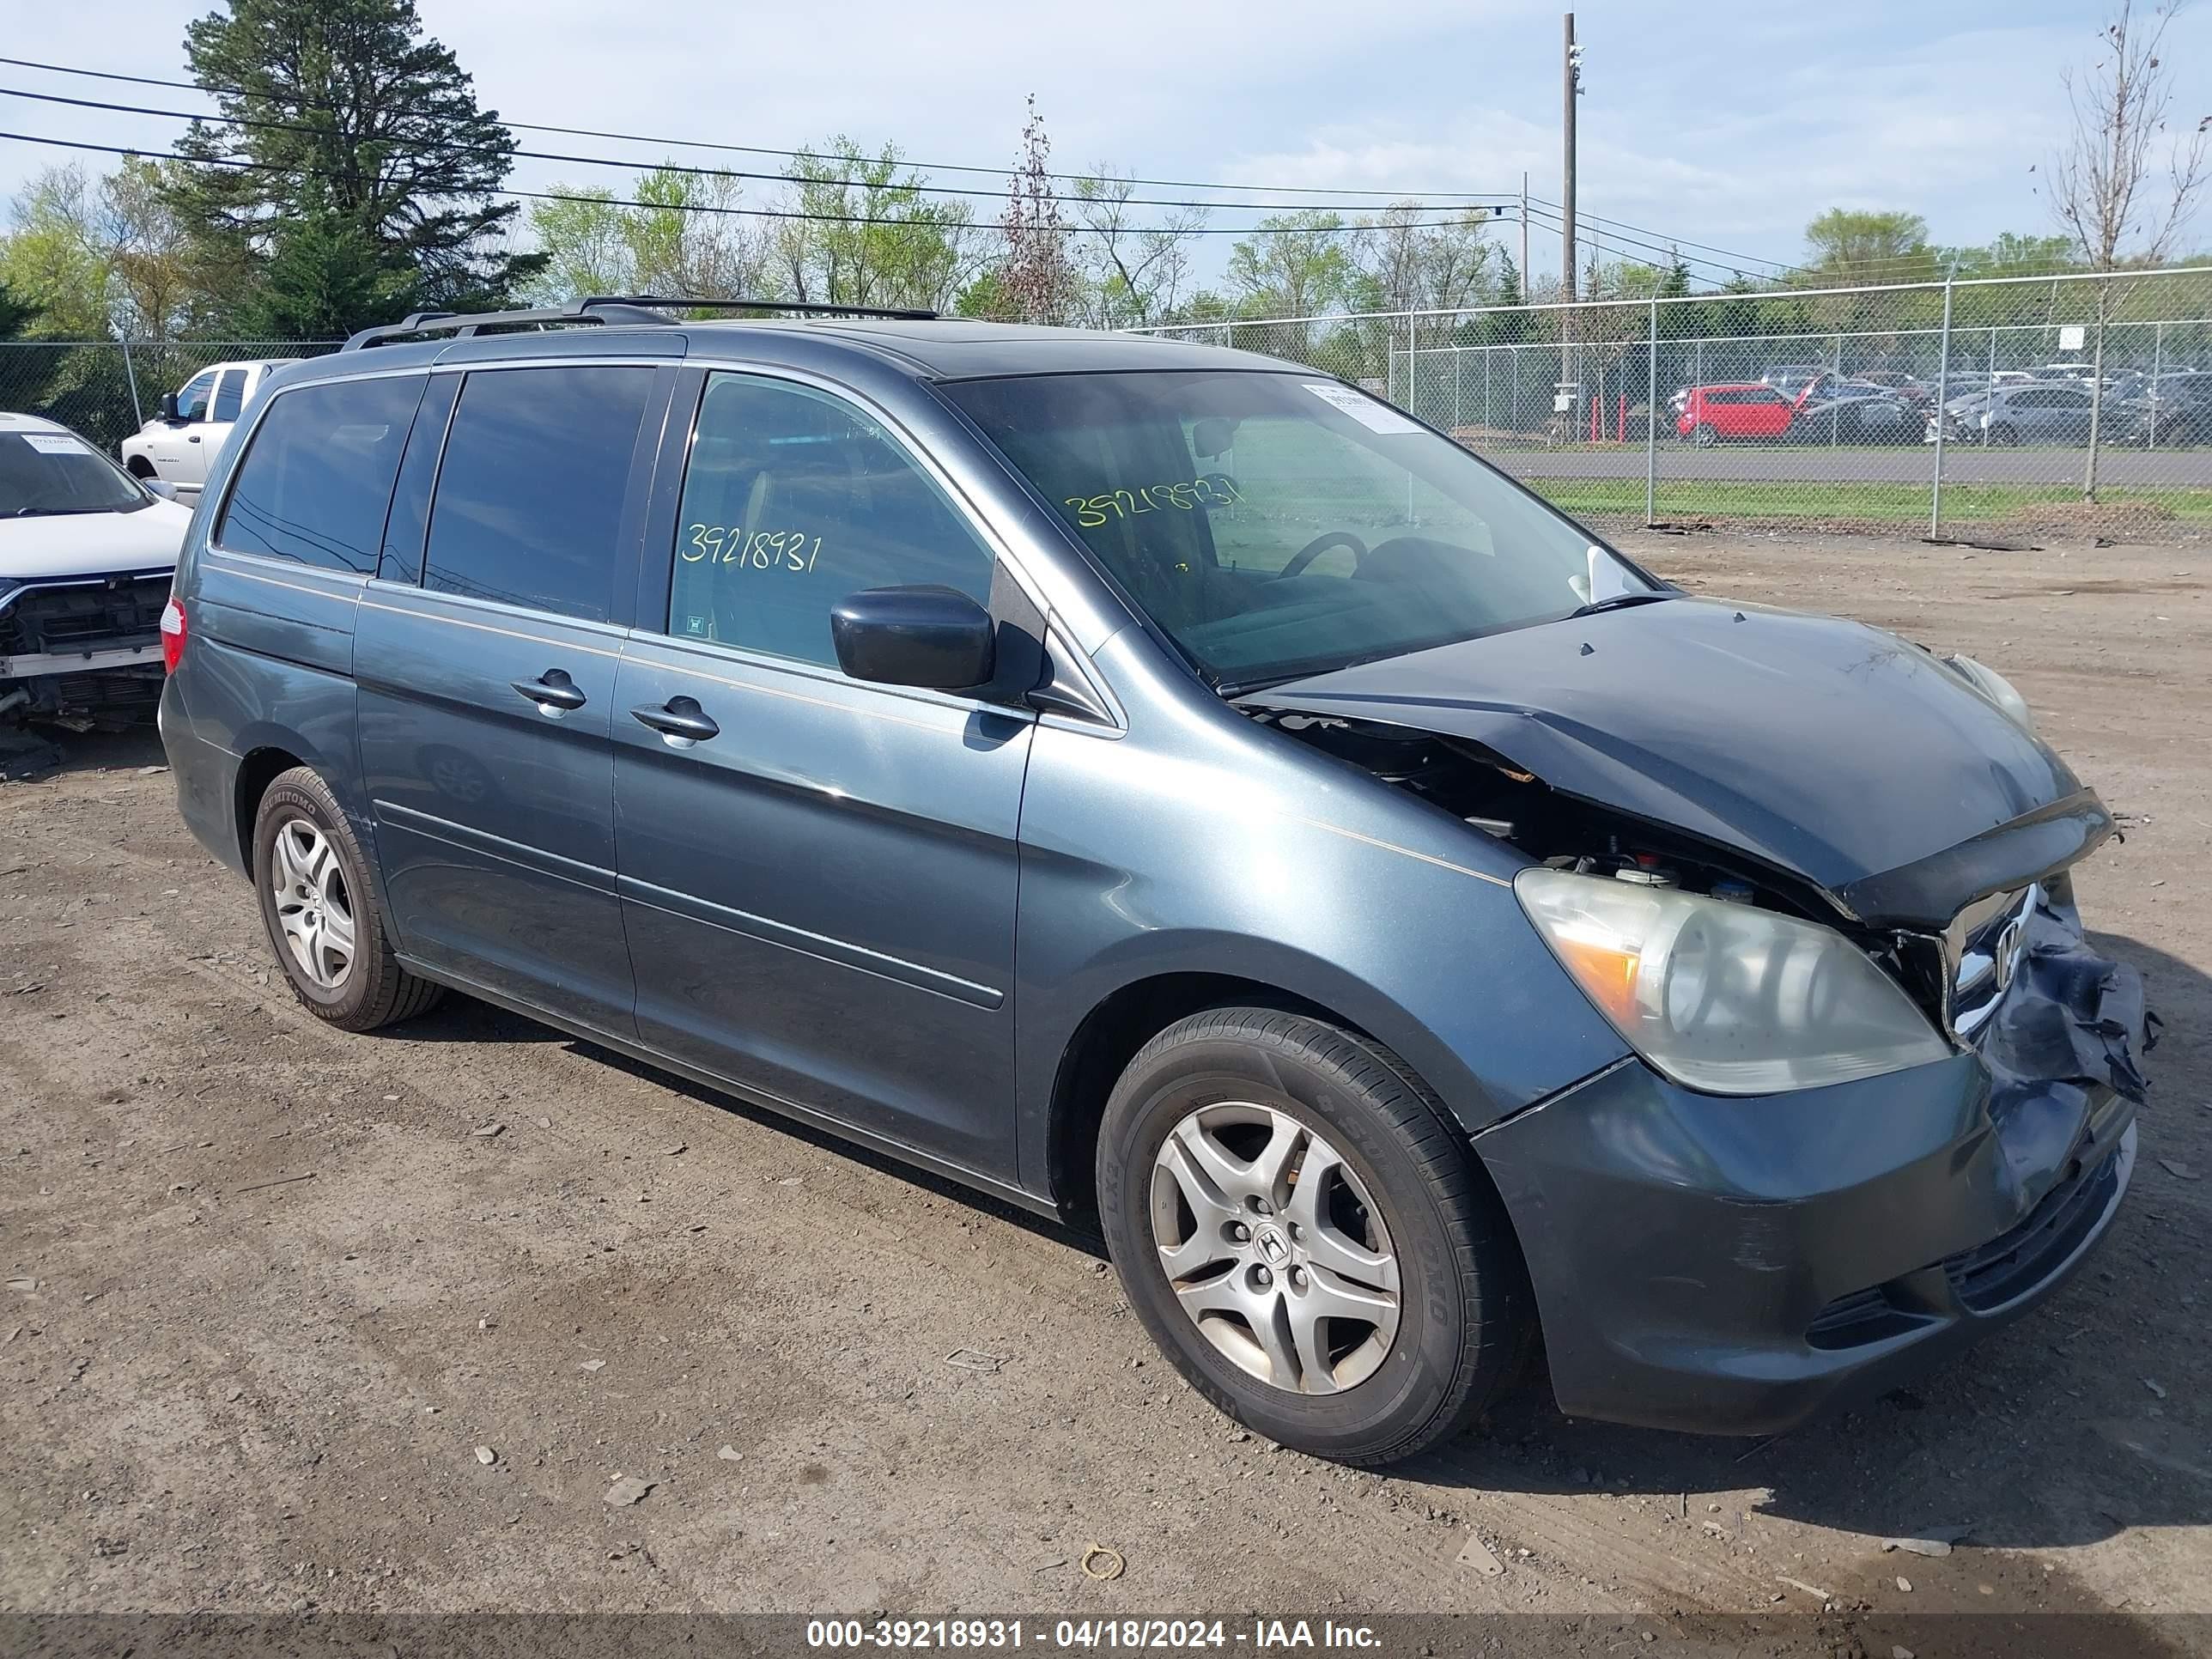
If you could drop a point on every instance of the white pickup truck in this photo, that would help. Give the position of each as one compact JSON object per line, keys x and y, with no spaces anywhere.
{"x":179,"y":445}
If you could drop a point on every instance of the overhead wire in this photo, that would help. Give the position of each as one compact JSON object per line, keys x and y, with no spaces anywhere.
{"x":1377,"y":194}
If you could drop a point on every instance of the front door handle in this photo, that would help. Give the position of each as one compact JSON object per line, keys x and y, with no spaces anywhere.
{"x":679,"y":717}
{"x":551,"y":690}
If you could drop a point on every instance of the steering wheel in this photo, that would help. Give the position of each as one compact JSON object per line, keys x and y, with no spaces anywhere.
{"x":1319,"y":545}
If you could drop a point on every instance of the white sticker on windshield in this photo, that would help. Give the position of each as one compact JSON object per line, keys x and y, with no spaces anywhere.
{"x":55,"y":443}
{"x":1376,"y":418}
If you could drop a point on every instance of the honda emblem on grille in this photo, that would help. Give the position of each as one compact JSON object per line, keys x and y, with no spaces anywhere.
{"x":2005,"y":956}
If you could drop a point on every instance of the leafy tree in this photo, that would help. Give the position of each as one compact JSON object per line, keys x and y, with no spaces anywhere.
{"x":53,"y":259}
{"x":1845,"y":245}
{"x":872,"y":237}
{"x":348,"y":113}
{"x":682,"y":240}
{"x":15,"y":314}
{"x":1297,"y":267}
{"x":325,"y":277}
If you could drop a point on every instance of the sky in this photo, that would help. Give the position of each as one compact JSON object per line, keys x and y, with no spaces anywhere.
{"x":1727,"y":124}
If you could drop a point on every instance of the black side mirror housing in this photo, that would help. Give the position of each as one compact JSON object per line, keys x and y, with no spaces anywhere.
{"x":930,"y":636}
{"x":170,"y":407}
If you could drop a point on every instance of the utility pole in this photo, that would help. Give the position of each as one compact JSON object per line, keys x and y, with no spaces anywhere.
{"x":1571,"y":65}
{"x":1568,"y":399}
{"x":1524,"y":237}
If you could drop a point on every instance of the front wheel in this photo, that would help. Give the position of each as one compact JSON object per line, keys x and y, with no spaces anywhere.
{"x":1302,"y":1229}
{"x":1705,"y":435}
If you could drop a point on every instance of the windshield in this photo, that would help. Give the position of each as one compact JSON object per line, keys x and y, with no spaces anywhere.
{"x":1276,"y":525}
{"x":52,"y":472}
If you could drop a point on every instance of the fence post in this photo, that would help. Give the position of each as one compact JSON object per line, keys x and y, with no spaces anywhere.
{"x":1651,"y":416}
{"x":2157,"y":364}
{"x":1942,"y":381}
{"x":130,"y":374}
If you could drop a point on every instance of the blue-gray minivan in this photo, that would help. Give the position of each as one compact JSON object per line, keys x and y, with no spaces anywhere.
{"x":1176,"y":792}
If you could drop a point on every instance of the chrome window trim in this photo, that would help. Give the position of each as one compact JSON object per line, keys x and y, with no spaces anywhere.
{"x":614,"y":633}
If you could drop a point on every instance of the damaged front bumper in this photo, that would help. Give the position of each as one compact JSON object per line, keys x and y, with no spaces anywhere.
{"x":1733,"y":1265}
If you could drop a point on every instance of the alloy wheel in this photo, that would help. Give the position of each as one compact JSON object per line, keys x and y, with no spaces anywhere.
{"x":1274,"y":1247}
{"x":314,"y":906}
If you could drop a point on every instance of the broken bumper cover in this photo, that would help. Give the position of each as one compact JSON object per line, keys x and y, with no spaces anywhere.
{"x":1734,"y":1266}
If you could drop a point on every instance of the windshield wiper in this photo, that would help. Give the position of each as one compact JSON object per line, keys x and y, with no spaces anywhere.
{"x":56,"y":512}
{"x":1622,"y":601}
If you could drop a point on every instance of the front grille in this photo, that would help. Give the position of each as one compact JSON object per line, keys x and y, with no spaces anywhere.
{"x":104,"y":614}
{"x":2009,"y":1266}
{"x":1984,"y":945}
{"x":1867,"y":1316}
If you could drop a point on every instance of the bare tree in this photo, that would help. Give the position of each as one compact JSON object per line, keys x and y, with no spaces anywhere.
{"x":2125,"y":186}
{"x":1133,"y":274}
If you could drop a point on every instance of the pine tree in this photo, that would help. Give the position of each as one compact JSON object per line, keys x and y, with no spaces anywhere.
{"x":351,"y":117}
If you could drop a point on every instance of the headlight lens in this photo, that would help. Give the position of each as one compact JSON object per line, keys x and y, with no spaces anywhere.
{"x":1727,"y":998}
{"x":1997,"y":688}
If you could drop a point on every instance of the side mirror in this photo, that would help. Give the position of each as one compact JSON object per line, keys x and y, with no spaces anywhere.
{"x":160,"y":487}
{"x":930,"y":636}
{"x":170,"y":407}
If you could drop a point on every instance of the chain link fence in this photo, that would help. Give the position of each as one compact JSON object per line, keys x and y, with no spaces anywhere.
{"x":105,"y":390}
{"x":2008,"y":407}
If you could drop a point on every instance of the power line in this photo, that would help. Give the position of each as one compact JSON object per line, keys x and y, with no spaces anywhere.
{"x":700,"y":207}
{"x":455,"y":147}
{"x":1385,"y":196}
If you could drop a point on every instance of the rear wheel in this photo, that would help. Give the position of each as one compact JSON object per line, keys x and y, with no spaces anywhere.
{"x":321,"y":913}
{"x":1304,"y":1231}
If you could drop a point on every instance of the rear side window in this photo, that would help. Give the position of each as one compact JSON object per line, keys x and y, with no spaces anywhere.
{"x":793,"y":500}
{"x":315,"y":483}
{"x":530,"y":492}
{"x":229,"y":395}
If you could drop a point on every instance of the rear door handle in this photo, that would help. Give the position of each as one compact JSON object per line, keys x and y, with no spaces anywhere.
{"x":679,"y":717}
{"x":551,"y":690}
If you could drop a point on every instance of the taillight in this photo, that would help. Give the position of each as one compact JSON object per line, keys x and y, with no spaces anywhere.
{"x":172,"y":634}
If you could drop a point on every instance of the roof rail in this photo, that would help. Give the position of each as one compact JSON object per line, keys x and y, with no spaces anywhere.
{"x":605,"y":308}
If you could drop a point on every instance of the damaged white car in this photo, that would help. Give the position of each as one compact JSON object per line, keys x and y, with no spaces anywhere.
{"x":86,"y":554}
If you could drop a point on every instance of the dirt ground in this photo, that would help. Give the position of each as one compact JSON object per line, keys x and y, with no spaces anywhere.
{"x":299,"y":1319}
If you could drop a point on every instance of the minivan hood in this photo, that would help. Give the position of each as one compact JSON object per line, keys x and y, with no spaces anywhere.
{"x":1842,"y":753}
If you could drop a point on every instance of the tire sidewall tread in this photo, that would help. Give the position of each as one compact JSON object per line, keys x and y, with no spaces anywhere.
{"x":378,"y":991}
{"x":1465,"y":1335}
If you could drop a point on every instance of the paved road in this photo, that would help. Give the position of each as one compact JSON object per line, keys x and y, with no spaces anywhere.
{"x":2168,"y":469}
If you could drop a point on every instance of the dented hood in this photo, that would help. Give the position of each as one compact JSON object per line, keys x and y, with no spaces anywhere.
{"x":1838,"y":751}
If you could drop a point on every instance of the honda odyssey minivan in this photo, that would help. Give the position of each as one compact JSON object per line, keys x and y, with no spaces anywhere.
{"x":1174,"y":791}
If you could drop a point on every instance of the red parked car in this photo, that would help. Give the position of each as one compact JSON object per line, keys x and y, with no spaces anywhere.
{"x":1712,"y":413}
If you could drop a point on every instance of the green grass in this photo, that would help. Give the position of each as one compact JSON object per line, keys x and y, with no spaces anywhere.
{"x":1901,"y":503}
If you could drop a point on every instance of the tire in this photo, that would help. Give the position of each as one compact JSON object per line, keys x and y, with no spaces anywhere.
{"x":1704,"y":436}
{"x":1385,"y":1172}
{"x":2004,"y":436}
{"x":348,"y":978}
{"x":138,"y":467}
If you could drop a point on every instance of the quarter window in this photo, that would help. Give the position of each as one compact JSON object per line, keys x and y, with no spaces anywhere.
{"x":530,"y":492}
{"x":793,"y":500}
{"x":229,"y":395}
{"x":316,"y":483}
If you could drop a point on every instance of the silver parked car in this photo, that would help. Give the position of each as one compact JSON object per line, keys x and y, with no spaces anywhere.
{"x":2040,"y":412}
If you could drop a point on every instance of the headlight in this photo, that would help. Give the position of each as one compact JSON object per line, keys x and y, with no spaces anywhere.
{"x":1727,"y":998}
{"x":1997,"y":688}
